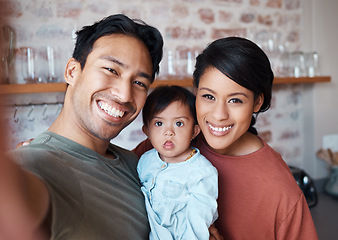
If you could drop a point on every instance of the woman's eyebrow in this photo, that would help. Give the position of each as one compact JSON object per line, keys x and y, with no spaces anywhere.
{"x":230,"y":95}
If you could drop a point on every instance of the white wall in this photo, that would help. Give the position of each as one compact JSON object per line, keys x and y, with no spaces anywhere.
{"x":320,"y":32}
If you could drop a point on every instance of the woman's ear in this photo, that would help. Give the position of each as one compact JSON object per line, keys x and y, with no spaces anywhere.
{"x":73,"y":68}
{"x":196,"y":131}
{"x":145,"y":130}
{"x":258,"y":102}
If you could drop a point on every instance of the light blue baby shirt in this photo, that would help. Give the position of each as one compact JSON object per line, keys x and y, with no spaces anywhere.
{"x":180,"y":198}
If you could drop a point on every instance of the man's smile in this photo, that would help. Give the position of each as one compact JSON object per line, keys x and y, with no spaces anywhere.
{"x":110,"y":110}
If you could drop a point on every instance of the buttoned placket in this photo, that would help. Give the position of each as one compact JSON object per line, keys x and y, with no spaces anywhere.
{"x":163,"y":167}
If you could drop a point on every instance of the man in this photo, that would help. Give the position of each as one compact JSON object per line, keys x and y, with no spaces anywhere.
{"x":73,"y":183}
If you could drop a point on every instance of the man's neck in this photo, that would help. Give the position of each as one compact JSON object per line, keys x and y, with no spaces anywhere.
{"x":63,"y":128}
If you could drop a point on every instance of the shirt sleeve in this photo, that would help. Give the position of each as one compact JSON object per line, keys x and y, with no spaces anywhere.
{"x":202,"y":204}
{"x":298,"y":225}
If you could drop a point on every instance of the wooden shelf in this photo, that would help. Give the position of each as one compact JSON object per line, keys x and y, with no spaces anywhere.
{"x":184,"y":82}
{"x":32,"y":88}
{"x":293,"y":80}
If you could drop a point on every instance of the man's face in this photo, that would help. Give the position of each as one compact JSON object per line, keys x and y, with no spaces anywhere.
{"x":110,"y":91}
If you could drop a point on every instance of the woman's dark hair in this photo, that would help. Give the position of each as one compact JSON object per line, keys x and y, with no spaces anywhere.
{"x":242,"y":61}
{"x":119,"y":24}
{"x":161,"y":97}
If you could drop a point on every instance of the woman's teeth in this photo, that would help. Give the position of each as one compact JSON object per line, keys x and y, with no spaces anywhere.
{"x":110,"y":110}
{"x":223,"y":129}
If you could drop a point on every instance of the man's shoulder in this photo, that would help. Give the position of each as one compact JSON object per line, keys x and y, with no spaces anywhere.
{"x":126,"y":156}
{"x":121,"y":152}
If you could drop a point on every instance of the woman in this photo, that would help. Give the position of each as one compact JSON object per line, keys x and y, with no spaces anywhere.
{"x":258,"y":196}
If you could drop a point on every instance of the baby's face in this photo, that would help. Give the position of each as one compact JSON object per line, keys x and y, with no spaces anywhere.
{"x":171,"y":131}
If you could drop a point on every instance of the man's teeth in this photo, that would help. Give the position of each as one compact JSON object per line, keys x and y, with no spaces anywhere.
{"x":220,"y":129}
{"x":110,"y":110}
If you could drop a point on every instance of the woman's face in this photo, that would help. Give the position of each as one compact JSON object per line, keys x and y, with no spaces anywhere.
{"x":224,"y":111}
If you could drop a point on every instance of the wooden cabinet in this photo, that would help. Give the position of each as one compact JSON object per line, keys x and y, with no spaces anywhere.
{"x":185,"y":82}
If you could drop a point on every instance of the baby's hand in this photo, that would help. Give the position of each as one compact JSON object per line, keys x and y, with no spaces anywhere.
{"x":214,"y":234}
{"x":24,"y":143}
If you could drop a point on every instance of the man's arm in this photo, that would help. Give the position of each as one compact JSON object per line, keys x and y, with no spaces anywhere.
{"x":24,"y":201}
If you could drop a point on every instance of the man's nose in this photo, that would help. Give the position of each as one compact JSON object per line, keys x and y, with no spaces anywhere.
{"x":123,"y":90}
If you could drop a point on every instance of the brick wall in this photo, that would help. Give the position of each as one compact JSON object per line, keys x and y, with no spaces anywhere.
{"x":187,"y":25}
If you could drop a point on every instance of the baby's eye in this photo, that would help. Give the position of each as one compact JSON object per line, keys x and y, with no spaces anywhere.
{"x":179,"y":124}
{"x":158,"y":124}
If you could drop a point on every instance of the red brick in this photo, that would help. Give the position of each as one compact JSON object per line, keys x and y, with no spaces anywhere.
{"x":293,"y":36}
{"x":192,"y":1}
{"x":221,"y":33}
{"x":69,"y":9}
{"x":230,"y":1}
{"x":266,"y":136}
{"x":292,"y":4}
{"x":274,"y":3}
{"x":255,"y":2}
{"x":207,"y":15}
{"x":263,"y":120}
{"x":290,"y":135}
{"x":182,"y":50}
{"x":265,"y":20}
{"x":181,"y":33}
{"x":180,"y":11}
{"x":225,"y":16}
{"x":247,"y":17}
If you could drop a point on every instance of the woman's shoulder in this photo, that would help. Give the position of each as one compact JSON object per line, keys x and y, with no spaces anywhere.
{"x":143,"y":147}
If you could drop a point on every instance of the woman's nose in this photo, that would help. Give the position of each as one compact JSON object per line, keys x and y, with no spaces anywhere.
{"x":220,"y":111}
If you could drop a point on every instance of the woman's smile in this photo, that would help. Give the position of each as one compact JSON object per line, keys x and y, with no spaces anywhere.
{"x":219,"y":130}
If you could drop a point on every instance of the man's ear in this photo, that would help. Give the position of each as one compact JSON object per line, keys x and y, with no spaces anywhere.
{"x":145,"y":130}
{"x":196,"y":131}
{"x":73,"y":68}
{"x":258,"y":102}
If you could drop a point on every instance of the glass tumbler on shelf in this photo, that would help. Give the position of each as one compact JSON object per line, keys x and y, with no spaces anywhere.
{"x":48,"y":64}
{"x":27,"y":58}
{"x":312,"y":64}
{"x":167,"y":65}
{"x":297,"y":62}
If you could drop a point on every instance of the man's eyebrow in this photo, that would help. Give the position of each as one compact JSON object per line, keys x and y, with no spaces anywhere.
{"x":145,"y":75}
{"x":114,"y":60}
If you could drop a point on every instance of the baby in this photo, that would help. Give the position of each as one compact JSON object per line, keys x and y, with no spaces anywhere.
{"x":179,"y":184}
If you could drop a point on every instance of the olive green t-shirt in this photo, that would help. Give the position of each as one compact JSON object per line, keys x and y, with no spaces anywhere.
{"x":92,"y":197}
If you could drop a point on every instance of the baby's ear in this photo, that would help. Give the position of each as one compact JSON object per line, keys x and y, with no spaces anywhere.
{"x":196,"y":131}
{"x":145,"y":130}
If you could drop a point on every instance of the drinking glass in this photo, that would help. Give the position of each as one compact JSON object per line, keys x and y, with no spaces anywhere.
{"x":312,"y":64}
{"x":27,"y":57}
{"x":48,"y":64}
